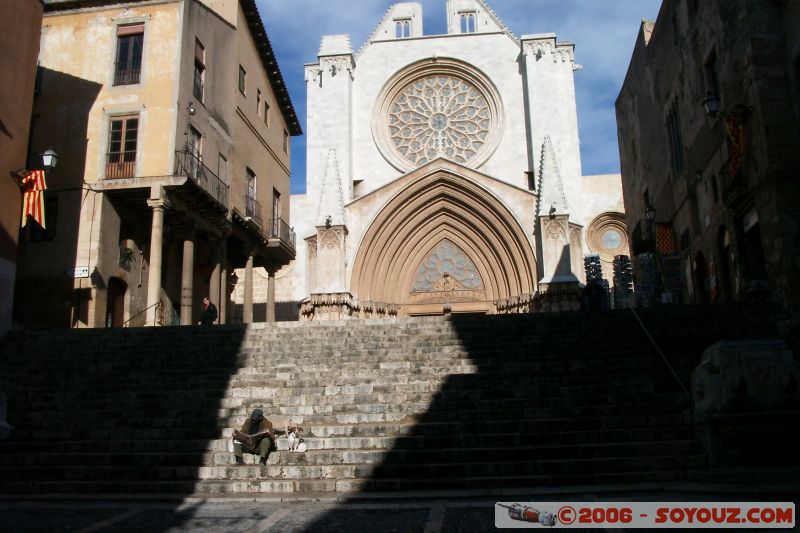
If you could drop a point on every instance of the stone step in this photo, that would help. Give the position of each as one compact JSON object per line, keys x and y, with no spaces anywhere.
{"x":416,"y":450}
{"x":612,"y":422}
{"x":530,"y":407}
{"x":406,"y":404}
{"x":451,"y":384}
{"x":542,"y":431}
{"x":408,"y":471}
{"x":265,"y":488}
{"x":472,"y":379}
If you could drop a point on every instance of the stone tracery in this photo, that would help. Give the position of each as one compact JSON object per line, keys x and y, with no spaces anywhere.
{"x":439,"y":116}
{"x":446,"y":260}
{"x":438,"y":108}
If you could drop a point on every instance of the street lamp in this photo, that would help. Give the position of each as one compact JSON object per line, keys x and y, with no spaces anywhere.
{"x":711,"y":104}
{"x":650,"y":213}
{"x":50,"y":159}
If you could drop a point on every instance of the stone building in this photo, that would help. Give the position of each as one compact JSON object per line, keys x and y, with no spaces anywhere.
{"x":709,"y":134}
{"x":173,"y":124}
{"x":20,"y":22}
{"x":444,"y":174}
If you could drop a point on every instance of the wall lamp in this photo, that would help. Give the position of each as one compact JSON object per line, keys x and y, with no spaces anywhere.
{"x":50,"y":159}
{"x":711,"y":106}
{"x":650,"y":213}
{"x":49,"y":162}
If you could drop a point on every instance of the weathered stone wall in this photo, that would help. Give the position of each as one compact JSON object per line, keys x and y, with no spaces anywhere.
{"x":730,"y":192}
{"x":20,"y":23}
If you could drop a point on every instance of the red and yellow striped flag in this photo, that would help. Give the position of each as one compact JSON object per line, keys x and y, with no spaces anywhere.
{"x":33,"y":187}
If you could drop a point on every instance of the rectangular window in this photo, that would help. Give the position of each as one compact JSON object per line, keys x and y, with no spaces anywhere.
{"x":286,"y":141}
{"x":711,"y":75}
{"x":196,"y":155}
{"x":266,"y":112}
{"x":253,"y":209}
{"x":122,"y":138}
{"x":402,"y":28}
{"x":258,"y":102}
{"x":468,"y":23}
{"x":222,"y":168}
{"x":276,"y":213}
{"x":199,"y":70}
{"x":128,"y":68}
{"x":242,"y":80}
{"x":675,"y":137}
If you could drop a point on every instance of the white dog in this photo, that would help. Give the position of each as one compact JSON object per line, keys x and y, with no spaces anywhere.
{"x":296,"y":442}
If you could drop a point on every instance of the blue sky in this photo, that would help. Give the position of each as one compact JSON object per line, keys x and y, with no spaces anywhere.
{"x":604,"y":33}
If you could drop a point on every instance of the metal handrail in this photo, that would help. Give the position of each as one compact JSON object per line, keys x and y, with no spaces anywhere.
{"x":140,"y":313}
{"x":661,"y":353}
{"x":189,"y":164}
{"x":279,"y":229}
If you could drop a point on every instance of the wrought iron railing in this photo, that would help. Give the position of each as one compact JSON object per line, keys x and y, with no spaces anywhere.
{"x":281,"y":230}
{"x":253,"y":210}
{"x":127,"y":76}
{"x":120,"y":165}
{"x":188,"y":164}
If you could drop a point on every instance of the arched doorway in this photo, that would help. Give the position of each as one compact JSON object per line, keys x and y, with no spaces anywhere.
{"x":115,"y":307}
{"x":443,"y":243}
{"x":700,"y":278}
{"x":726,"y":274}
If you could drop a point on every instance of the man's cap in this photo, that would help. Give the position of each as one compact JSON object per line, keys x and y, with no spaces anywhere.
{"x":257,"y":414}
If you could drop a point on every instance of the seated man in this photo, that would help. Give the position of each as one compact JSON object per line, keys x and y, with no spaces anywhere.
{"x":261,"y":429}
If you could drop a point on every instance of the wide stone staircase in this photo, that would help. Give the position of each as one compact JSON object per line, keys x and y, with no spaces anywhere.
{"x":462,"y":402}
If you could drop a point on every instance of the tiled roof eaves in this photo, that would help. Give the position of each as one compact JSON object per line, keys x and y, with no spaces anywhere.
{"x":270,"y":64}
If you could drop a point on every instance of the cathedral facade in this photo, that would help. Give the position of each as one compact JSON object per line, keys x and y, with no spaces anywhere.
{"x":444,"y":175}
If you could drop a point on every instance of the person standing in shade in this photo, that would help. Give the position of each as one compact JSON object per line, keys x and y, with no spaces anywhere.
{"x":209,"y":315}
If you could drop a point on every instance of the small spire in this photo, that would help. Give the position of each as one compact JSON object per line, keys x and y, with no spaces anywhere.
{"x":331,"y":196}
{"x":552,"y":199}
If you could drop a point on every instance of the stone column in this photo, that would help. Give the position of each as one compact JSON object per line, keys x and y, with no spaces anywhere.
{"x":215,"y":284}
{"x":187,"y":280}
{"x":270,"y":293}
{"x":159,"y":205}
{"x":225,"y":294}
{"x":247,"y":312}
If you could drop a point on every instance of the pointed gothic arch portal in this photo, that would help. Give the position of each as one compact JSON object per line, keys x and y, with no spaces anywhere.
{"x":443,"y":242}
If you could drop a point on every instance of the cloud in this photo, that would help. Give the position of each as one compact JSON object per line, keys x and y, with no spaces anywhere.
{"x":604,"y":34}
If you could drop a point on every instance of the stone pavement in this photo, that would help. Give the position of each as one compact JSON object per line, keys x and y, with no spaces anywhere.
{"x":425,"y":513}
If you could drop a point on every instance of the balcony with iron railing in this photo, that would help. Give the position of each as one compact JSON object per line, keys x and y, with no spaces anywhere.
{"x":253,"y":211}
{"x":188,"y":164}
{"x":120,"y":165}
{"x":127,"y":75}
{"x":279,"y":229}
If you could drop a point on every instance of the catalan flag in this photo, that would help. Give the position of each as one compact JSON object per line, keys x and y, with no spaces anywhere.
{"x":735,"y":128}
{"x":33,"y":187}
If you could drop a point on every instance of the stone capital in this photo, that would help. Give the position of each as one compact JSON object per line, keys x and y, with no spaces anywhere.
{"x":161,"y":203}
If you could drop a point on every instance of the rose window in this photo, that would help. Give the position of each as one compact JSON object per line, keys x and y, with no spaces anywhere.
{"x":439,"y":116}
